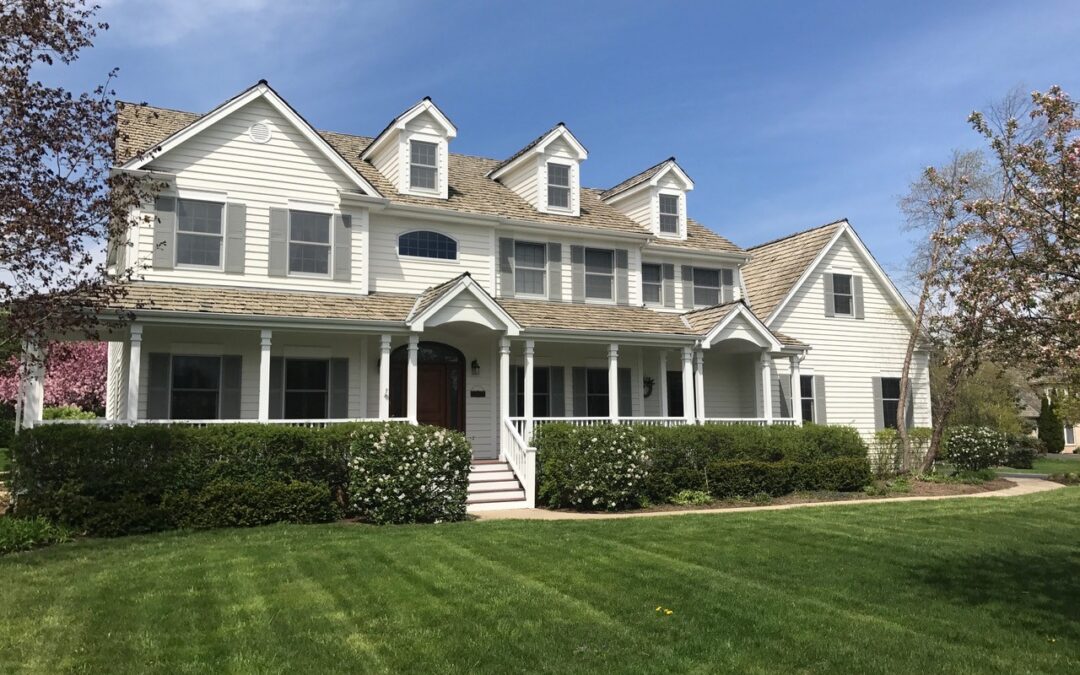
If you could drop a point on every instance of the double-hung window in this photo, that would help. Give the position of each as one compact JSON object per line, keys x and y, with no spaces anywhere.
{"x":541,"y":392}
{"x":309,"y":243}
{"x":558,"y":176}
{"x":806,"y":397}
{"x":307,"y":388}
{"x":199,"y":232}
{"x":890,"y":400}
{"x":669,"y":214}
{"x":530,"y":268}
{"x":196,"y":387}
{"x":596,"y":393}
{"x":709,"y":285}
{"x":843,"y":295}
{"x":652,"y":283}
{"x":423,"y":165}
{"x":599,"y":274}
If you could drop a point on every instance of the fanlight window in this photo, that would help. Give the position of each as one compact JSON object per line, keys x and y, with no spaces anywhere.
{"x":426,"y":244}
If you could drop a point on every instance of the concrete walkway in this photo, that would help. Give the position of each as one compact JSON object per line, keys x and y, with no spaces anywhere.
{"x":1023,"y":486}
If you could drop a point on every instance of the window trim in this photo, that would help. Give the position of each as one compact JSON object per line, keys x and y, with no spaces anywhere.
{"x":660,"y":213}
{"x":659,"y":284}
{"x":585,"y":266}
{"x":850,"y":294}
{"x":172,"y":376}
{"x":889,"y":421}
{"x":543,"y":270}
{"x":211,"y":199}
{"x":285,"y":386}
{"x":437,"y":142}
{"x":409,"y":256}
{"x":1070,"y":434}
{"x":720,"y":273}
{"x":330,"y":246}
{"x":569,"y":187}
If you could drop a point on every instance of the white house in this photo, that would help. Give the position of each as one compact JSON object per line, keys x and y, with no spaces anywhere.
{"x":305,"y":276}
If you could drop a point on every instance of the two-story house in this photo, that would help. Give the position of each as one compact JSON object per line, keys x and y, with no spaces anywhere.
{"x":296,"y":274}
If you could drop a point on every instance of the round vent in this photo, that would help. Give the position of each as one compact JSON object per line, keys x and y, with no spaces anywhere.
{"x":259,"y":132}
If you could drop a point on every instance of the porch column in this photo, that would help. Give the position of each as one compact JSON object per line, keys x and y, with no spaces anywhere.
{"x":134,"y":364}
{"x":384,"y":377}
{"x":688,"y":383}
{"x":699,"y":384}
{"x":766,"y":389}
{"x":264,"y":375}
{"x":530,"y":349}
{"x":663,"y":384}
{"x":504,"y":380}
{"x":613,"y":381}
{"x":31,"y":403}
{"x":796,"y":391}
{"x":414,"y":347}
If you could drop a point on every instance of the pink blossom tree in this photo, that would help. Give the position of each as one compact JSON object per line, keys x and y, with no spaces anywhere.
{"x":75,"y":375}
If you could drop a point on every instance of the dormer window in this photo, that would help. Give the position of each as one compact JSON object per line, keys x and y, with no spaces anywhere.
{"x":558,"y":186}
{"x":546,"y":172}
{"x":654,"y":198}
{"x":669,"y":214}
{"x":423,"y":165}
{"x":413,"y":152}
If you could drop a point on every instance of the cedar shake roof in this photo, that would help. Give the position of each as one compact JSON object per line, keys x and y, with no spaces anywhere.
{"x":529,"y":146}
{"x":433,"y":293}
{"x":591,"y":317}
{"x":775,"y":266}
{"x":142,"y":127}
{"x":635,"y":180}
{"x":702,"y":320}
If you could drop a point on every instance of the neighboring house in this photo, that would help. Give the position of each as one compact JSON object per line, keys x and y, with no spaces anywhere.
{"x":306,"y":275}
{"x":1031,"y":404}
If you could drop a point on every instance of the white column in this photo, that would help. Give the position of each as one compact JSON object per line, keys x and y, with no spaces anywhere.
{"x":384,"y":377}
{"x":766,"y":388}
{"x":699,"y":384}
{"x":134,"y":364}
{"x":504,"y":380}
{"x":530,"y":349}
{"x":363,"y":393}
{"x":613,"y":381}
{"x":796,"y":391}
{"x":663,"y":384}
{"x":688,"y":383}
{"x":264,"y":375}
{"x":414,"y":346}
{"x":31,"y":402}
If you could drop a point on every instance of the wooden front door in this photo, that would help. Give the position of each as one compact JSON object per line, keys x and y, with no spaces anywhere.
{"x":433,"y":395}
{"x":440,"y":385}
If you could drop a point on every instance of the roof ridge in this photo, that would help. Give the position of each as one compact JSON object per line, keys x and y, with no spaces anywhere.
{"x":796,"y":234}
{"x":629,"y":182}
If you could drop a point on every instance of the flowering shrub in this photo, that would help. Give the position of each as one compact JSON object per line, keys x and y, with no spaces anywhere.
{"x":975,"y":448}
{"x":75,"y":374}
{"x":399,"y":473}
{"x":592,"y":468}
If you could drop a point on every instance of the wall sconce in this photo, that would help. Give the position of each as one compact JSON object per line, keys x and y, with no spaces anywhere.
{"x":475,"y":366}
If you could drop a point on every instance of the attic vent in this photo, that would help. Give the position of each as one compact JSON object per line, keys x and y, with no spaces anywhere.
{"x":259,"y":132}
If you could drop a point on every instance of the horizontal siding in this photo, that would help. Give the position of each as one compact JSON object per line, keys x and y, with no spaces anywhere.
{"x":524,"y":180}
{"x":391,"y":273}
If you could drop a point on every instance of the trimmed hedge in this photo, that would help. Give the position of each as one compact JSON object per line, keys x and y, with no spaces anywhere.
{"x":594,"y":468}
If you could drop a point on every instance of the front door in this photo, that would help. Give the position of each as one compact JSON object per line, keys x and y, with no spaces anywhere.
{"x":440,"y":385}
{"x":433,"y":395}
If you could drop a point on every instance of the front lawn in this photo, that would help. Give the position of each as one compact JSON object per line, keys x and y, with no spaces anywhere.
{"x":976,"y":585}
{"x":1047,"y":465}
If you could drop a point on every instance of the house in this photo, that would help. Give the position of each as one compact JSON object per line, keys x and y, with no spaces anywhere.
{"x":303,"y":276}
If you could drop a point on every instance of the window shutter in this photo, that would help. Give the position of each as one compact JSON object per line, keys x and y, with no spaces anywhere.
{"x":557,"y":395}
{"x":517,"y":405}
{"x":577,"y":280}
{"x":277,"y":387}
{"x":687,"y":287}
{"x":506,"y":267}
{"x":830,"y":307}
{"x":879,"y":414}
{"x":581,"y":405}
{"x":279,"y":242}
{"x":727,"y":286}
{"x":819,"y":400}
{"x":554,"y":256}
{"x":669,"y":285}
{"x":785,"y":395}
{"x":164,"y":233}
{"x":856,"y":292}
{"x":231,"y":375}
{"x":339,"y":389}
{"x":626,"y":406}
{"x":158,"y":389}
{"x":909,"y":416}
{"x":622,"y":277}
{"x":342,"y":247}
{"x":235,"y":237}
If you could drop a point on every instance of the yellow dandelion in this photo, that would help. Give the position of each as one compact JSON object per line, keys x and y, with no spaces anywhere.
{"x":668,"y":612}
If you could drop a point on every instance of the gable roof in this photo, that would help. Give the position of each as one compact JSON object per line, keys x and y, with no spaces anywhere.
{"x":647,"y":175}
{"x":436,"y":297}
{"x":558,"y":131}
{"x":425,"y":105}
{"x":776,"y":266}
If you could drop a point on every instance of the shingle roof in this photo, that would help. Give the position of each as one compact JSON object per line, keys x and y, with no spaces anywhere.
{"x":775,"y":266}
{"x":590,"y":317}
{"x":635,"y":180}
{"x":433,"y":293}
{"x":702,"y":320}
{"x":529,"y":146}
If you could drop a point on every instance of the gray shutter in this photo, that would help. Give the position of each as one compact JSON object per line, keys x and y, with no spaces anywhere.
{"x":830,"y":307}
{"x":622,"y":277}
{"x":506,"y":267}
{"x":857,"y":295}
{"x":158,"y":389}
{"x":231,"y":373}
{"x":669,"y":285}
{"x":819,"y":400}
{"x":277,"y":387}
{"x":581,"y":406}
{"x":554,"y":256}
{"x":164,"y":233}
{"x":235,"y":237}
{"x":687,"y":286}
{"x":339,"y":389}
{"x":557,"y":395}
{"x":279,"y":242}
{"x":626,"y":405}
{"x":577,"y":275}
{"x":879,"y":414}
{"x":727,"y":286}
{"x":517,"y":406}
{"x":785,"y":395}
{"x":342,"y":247}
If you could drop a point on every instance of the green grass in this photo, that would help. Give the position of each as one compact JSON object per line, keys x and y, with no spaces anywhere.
{"x":1048,"y":465}
{"x":975,"y":586}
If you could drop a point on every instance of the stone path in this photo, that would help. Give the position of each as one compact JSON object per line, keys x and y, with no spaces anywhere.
{"x":1023,"y":486}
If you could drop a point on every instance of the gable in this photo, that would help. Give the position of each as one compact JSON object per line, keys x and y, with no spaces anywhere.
{"x":425,"y":123}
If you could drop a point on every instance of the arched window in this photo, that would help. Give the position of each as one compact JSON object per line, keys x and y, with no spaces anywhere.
{"x":427,"y":244}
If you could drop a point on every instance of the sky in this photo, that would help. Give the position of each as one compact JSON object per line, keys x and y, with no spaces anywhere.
{"x":786,"y":115}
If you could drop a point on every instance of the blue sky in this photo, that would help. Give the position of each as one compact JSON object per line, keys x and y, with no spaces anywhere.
{"x":786,"y":114}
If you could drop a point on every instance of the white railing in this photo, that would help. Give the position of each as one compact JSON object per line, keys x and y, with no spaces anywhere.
{"x":521,"y":458}
{"x":752,"y":421}
{"x":522,"y":426}
{"x":311,"y":423}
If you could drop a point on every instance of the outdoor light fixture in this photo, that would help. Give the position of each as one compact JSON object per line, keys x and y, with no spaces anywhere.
{"x":475,"y":367}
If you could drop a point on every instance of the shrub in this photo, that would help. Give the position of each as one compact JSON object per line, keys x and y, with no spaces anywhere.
{"x":7,"y":432}
{"x":67,"y":412}
{"x":23,"y":534}
{"x":1021,"y":451}
{"x":691,"y":498}
{"x":594,"y":468}
{"x":230,"y":503}
{"x":888,"y":454}
{"x":749,"y":478}
{"x":975,"y":448}
{"x":1051,"y":428}
{"x":405,"y":474}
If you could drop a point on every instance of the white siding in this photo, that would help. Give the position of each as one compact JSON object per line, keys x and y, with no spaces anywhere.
{"x":392,"y":273}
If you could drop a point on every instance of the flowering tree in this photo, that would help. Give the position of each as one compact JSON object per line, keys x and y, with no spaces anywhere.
{"x":75,"y":375}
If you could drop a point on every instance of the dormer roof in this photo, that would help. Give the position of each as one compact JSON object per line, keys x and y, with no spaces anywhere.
{"x":424,"y":106}
{"x":650,"y":176}
{"x":539,"y":144}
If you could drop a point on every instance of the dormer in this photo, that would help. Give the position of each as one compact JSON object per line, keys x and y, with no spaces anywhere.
{"x":547,"y":172}
{"x":655,"y":198}
{"x":413,"y":151}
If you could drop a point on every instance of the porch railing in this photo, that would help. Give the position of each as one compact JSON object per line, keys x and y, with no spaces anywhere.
{"x":522,"y":426}
{"x":310,"y":423}
{"x":521,"y":458}
{"x":752,"y":421}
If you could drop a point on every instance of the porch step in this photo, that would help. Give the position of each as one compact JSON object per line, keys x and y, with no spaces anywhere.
{"x":492,"y":486}
{"x":487,"y":476}
{"x":488,"y":465}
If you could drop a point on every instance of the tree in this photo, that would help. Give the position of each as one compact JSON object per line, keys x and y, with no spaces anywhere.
{"x":990,"y":397}
{"x":1051,"y":428}
{"x":75,"y":375}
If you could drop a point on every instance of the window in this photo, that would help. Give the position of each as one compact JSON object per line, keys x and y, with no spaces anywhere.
{"x":558,"y":185}
{"x":307,"y":388}
{"x":843,"y":298}
{"x":708,"y":285}
{"x":890,"y":400}
{"x":669,"y":214}
{"x":674,"y":393}
{"x":541,"y":392}
{"x":652,"y":283}
{"x":198,"y":232}
{"x":424,"y":244}
{"x":309,"y":242}
{"x":423,"y":165}
{"x":596,"y":393}
{"x":806,"y":397}
{"x":196,"y":387}
{"x":599,"y":273}
{"x":530,"y":265}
